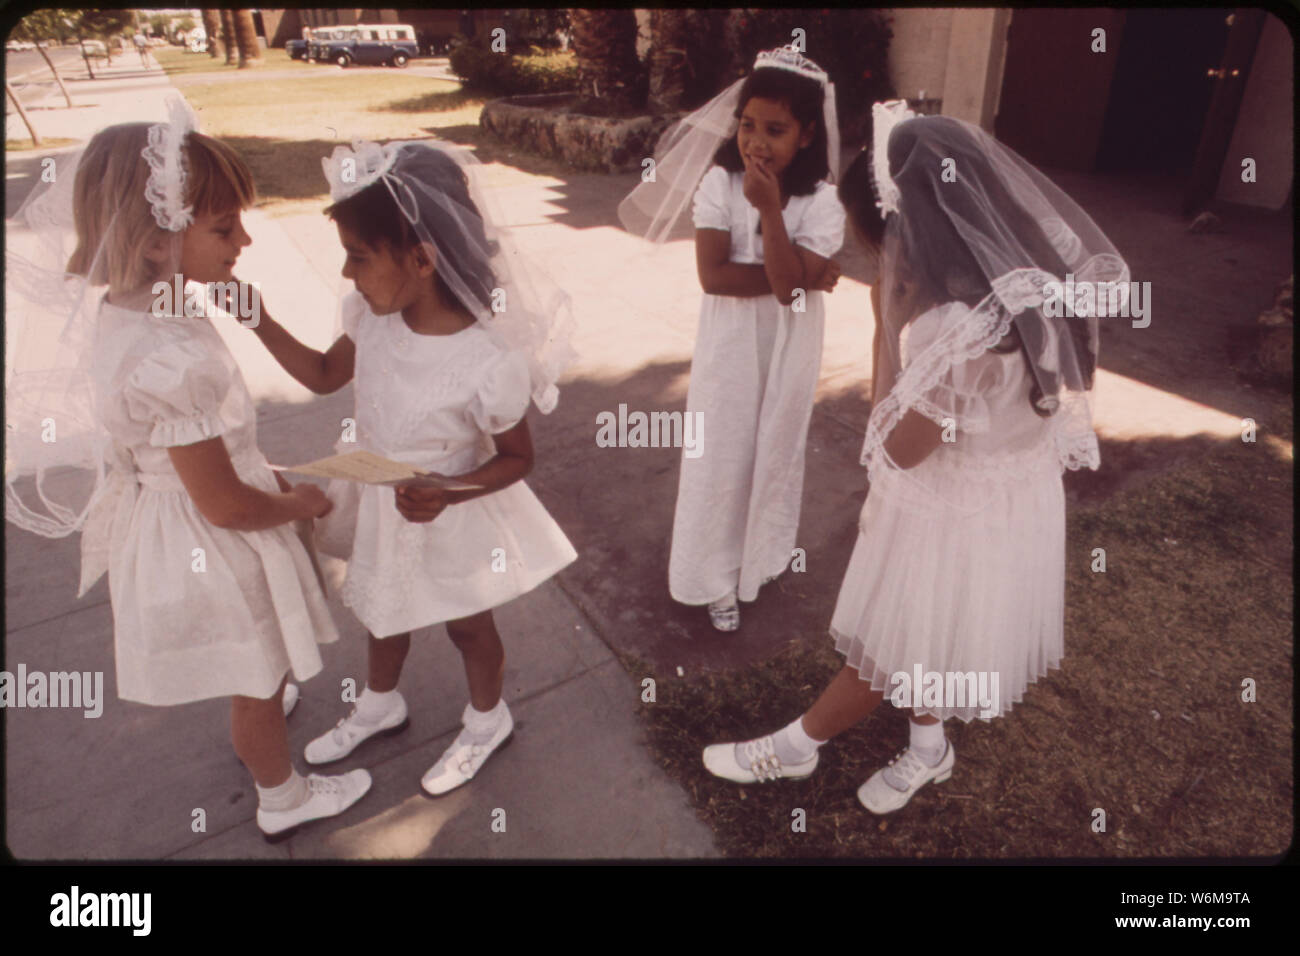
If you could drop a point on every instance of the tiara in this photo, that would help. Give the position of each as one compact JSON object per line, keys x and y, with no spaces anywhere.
{"x":788,"y":58}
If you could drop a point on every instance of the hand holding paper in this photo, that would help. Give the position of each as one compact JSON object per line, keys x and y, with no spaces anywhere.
{"x":371,"y":469}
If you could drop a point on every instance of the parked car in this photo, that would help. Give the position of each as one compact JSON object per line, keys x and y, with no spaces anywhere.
{"x":297,"y":49}
{"x":368,"y":44}
{"x":95,"y":48}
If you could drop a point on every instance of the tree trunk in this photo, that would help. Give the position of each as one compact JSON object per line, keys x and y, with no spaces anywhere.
{"x":212,"y":27}
{"x":668,"y":64}
{"x":604,"y":41}
{"x":250,"y":51}
{"x":228,"y":35}
{"x":57,"y":79}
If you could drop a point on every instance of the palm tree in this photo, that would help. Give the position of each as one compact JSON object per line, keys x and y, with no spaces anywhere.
{"x":250,"y":51}
{"x":604,"y":42}
{"x":228,"y":35}
{"x":668,"y":64}
{"x":212,"y":27}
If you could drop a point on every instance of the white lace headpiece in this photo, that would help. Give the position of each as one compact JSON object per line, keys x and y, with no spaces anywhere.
{"x":884,"y":117}
{"x":165,"y":156}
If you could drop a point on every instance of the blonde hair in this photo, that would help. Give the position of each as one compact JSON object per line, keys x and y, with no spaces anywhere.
{"x":114,"y":220}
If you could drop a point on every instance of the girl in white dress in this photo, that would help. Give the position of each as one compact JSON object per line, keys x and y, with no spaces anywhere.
{"x":953,"y":601}
{"x":767,"y":222}
{"x":442,"y":382}
{"x":213,"y":593}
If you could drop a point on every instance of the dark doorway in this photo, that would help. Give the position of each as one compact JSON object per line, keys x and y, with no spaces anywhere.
{"x":1162,"y":88}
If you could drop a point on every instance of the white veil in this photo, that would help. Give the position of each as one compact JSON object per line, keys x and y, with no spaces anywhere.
{"x":440,"y":192}
{"x":686,"y":150}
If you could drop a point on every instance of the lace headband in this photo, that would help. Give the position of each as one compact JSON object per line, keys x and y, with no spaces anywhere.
{"x":166,"y":187}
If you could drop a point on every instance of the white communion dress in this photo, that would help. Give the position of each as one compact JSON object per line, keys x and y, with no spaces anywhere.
{"x":959,"y":564}
{"x":198,"y":611}
{"x":434,"y":401}
{"x":753,"y":378}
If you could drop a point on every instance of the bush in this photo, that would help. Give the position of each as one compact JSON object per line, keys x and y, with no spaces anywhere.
{"x":508,"y":74}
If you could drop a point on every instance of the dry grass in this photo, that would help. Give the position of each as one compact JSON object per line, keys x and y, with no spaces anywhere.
{"x":1145,"y":720}
{"x":284,"y":126}
{"x":177,"y":62}
{"x":47,"y":142}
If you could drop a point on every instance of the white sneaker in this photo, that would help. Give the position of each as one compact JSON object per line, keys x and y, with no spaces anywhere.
{"x":464,"y":758}
{"x":723,"y":760}
{"x":725,"y":614}
{"x":893,"y":785}
{"x":327,"y":797}
{"x":351,"y":732}
{"x":290,"y":699}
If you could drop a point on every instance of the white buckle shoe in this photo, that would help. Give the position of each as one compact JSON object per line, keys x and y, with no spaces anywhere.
{"x":290,"y":700}
{"x":327,"y":797}
{"x":464,"y":758}
{"x":721,"y":760}
{"x":725,"y":614}
{"x":350,"y":733}
{"x":893,"y":785}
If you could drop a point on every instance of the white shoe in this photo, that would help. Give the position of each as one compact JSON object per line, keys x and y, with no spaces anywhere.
{"x":893,"y":785}
{"x":464,"y":758}
{"x":327,"y":797}
{"x":722,"y":760}
{"x":291,"y":696}
{"x":351,"y":732}
{"x":725,"y":614}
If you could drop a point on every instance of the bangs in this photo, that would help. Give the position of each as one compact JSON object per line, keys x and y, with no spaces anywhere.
{"x":219,"y":180}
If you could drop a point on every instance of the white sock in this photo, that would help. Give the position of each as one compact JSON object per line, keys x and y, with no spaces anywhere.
{"x":791,"y":743}
{"x":927,"y":740}
{"x":287,"y":796}
{"x":373,"y":706}
{"x":480,"y":725}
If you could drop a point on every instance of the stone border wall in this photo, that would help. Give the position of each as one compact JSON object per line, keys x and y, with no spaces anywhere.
{"x":591,"y":143}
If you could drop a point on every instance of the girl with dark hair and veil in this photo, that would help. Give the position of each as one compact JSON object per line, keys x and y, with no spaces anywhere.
{"x":448,"y":334}
{"x":982,"y":396}
{"x":757,"y":163}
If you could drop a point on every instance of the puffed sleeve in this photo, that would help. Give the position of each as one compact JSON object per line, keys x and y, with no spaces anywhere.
{"x":353,"y":308}
{"x":943,"y":382}
{"x":176,"y":392}
{"x":821,"y":227}
{"x":711,"y":211}
{"x":502,"y":395}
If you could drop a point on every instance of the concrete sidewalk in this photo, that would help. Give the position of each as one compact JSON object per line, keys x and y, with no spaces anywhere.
{"x":576,"y":783}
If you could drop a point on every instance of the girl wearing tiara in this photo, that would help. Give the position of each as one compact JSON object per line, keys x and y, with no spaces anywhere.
{"x":767,"y":222}
{"x":447,"y":340}
{"x":213,"y":594}
{"x":982,"y":397}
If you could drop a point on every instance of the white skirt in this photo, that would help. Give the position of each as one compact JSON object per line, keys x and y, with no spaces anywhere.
{"x":973,"y":584}
{"x":473,"y":557}
{"x":201,"y":611}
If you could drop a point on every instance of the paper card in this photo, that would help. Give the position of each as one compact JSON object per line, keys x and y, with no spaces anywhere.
{"x":371,"y":469}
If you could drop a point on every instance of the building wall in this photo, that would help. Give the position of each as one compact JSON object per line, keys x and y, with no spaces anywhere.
{"x":918,"y":53}
{"x":1264,"y":128}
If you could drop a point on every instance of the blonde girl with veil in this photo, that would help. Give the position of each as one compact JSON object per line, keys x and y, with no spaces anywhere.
{"x":213,"y":593}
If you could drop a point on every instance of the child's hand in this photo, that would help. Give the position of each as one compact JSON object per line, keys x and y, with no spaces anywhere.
{"x":761,"y":188}
{"x":830,"y":276}
{"x":420,"y":504}
{"x":314,"y":502}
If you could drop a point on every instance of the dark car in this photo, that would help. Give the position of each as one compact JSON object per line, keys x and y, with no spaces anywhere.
{"x":368,"y":44}
{"x":297,"y":49}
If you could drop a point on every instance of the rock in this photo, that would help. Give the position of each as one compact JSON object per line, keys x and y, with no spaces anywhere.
{"x":542,"y":124}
